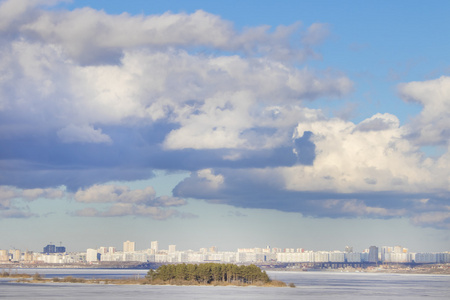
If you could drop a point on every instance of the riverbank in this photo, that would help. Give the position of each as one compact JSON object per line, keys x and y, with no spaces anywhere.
{"x":81,"y":265}
{"x":143,"y":281}
{"x":438,"y":269}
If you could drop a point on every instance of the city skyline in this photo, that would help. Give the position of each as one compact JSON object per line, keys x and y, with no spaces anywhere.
{"x":271,"y":255}
{"x":226,"y":123}
{"x":156,"y":246}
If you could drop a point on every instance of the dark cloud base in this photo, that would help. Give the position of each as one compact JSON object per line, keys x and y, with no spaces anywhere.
{"x":47,"y":162}
{"x":271,"y":195}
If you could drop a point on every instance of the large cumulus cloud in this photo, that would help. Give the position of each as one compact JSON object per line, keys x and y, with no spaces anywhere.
{"x":368,"y":169}
{"x":87,"y":98}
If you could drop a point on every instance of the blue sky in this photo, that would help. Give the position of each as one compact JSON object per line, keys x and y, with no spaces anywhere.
{"x":313,"y":124}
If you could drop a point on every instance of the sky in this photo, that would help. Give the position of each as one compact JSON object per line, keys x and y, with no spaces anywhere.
{"x":290,"y":124}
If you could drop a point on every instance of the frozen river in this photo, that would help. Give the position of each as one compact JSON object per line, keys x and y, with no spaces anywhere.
{"x":309,"y":285}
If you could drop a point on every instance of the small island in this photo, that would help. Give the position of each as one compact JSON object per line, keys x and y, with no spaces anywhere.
{"x":214,"y":274}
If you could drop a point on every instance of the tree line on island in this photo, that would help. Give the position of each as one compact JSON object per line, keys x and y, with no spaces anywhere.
{"x":210,"y":273}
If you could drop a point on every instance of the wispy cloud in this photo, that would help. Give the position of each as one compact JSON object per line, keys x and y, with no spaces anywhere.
{"x":13,"y":200}
{"x":125,"y":202}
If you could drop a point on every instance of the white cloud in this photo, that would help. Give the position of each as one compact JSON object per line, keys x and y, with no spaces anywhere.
{"x":316,"y":34}
{"x":214,"y":181}
{"x":7,"y":193}
{"x":127,"y":209}
{"x":82,"y":134}
{"x":240,"y":95}
{"x":373,"y":169}
{"x":440,"y":219}
{"x":379,"y":122}
{"x":214,"y":99}
{"x":370,"y":156}
{"x":78,"y":75}
{"x":114,"y":193}
{"x":432,"y":126}
{"x":10,"y":193}
{"x":101,"y":193}
{"x":12,"y":12}
{"x":357,"y":208}
{"x":86,"y":33}
{"x":32,"y":194}
{"x":11,"y":200}
{"x":75,"y":72}
{"x":92,"y":36}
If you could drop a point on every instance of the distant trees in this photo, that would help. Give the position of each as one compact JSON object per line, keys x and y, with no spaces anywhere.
{"x":209,"y":273}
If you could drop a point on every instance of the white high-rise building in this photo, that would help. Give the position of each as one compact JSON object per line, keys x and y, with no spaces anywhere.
{"x":4,"y":255}
{"x":172,"y":248}
{"x":128,"y":246}
{"x":337,"y":256}
{"x":321,"y":256}
{"x":154,"y":246}
{"x":398,"y":249}
{"x":16,"y":255}
{"x":353,"y":257}
{"x":91,"y":255}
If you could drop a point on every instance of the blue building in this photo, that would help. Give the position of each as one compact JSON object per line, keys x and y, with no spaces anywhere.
{"x":53,"y":249}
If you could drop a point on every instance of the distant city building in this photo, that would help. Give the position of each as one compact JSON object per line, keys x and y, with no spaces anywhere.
{"x":28,"y":256}
{"x":398,"y":249}
{"x":60,"y":249}
{"x":321,"y":256}
{"x":128,"y":246}
{"x":373,"y":254}
{"x":154,"y":246}
{"x":425,"y":258}
{"x":4,"y":256}
{"x":16,"y":255}
{"x":91,"y":255}
{"x":172,"y":248}
{"x":53,"y":249}
{"x":353,"y":257}
{"x":384,"y":252}
{"x":49,"y":249}
{"x":337,"y":256}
